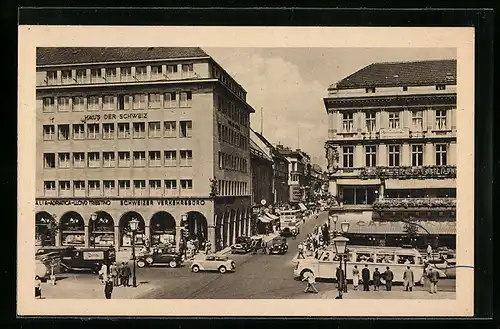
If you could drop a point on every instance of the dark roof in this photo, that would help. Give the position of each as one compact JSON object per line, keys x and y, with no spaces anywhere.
{"x":78,"y":55}
{"x":402,"y":74}
{"x":270,"y":145}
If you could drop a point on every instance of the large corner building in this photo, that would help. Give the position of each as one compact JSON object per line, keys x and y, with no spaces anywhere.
{"x":156,"y":134}
{"x":392,"y":140}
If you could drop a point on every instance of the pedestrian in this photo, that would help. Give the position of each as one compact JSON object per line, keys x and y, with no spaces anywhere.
{"x":125,"y":274}
{"x":264,"y":247}
{"x":355,"y":277}
{"x":433,"y":278}
{"x":340,"y":280}
{"x":103,"y":273}
{"x":208,"y":247}
{"x":254,"y":247}
{"x":388,"y":277}
{"x":408,"y":279}
{"x":311,"y":282}
{"x":119,"y":270}
{"x":108,"y":288}
{"x":429,"y":251}
{"x":301,"y":251}
{"x":113,"y":270}
{"x":365,"y":275}
{"x":38,"y":287}
{"x":376,"y":279}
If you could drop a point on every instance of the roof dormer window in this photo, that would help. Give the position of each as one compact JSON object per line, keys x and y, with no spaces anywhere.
{"x":440,"y":87}
{"x":405,"y":88}
{"x":370,"y":90}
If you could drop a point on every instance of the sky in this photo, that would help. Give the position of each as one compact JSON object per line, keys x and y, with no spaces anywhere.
{"x":289,"y":85}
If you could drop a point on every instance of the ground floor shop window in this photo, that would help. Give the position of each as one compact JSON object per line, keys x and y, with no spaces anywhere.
{"x":102,"y":230}
{"x":72,"y":229}
{"x":359,"y":195}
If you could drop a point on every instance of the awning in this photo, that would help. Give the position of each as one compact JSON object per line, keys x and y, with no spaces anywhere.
{"x":357,"y":181}
{"x":302,"y":207}
{"x":273,"y":217}
{"x":264,"y":219}
{"x":395,"y":184}
{"x":423,"y":228}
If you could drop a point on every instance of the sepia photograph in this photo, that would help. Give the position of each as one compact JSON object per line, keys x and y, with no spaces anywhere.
{"x":222,"y":174}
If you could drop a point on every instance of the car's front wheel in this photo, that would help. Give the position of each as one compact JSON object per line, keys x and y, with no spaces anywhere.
{"x":172,"y":264}
{"x":149,"y":260}
{"x":141,"y":263}
{"x":195,"y":268}
{"x":222,"y":269}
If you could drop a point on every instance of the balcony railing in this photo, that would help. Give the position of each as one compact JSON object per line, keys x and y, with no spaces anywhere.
{"x":414,"y":203}
{"x":410,"y":172}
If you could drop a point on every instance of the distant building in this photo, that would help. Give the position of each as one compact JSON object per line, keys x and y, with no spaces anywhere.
{"x":261,"y":165}
{"x":280,"y":172}
{"x":299,"y":162}
{"x":154,"y":134}
{"x":392,"y":140}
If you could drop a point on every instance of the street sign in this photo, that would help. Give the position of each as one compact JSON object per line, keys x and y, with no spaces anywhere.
{"x":263,"y":202}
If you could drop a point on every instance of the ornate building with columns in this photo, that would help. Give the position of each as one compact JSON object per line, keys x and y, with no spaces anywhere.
{"x":156,"y":134}
{"x":391,"y":144}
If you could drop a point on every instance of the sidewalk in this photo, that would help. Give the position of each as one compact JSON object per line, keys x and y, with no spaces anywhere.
{"x":381,"y":294}
{"x":90,"y":287}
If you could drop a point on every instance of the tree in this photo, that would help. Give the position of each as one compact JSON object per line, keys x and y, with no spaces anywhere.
{"x":411,"y":230}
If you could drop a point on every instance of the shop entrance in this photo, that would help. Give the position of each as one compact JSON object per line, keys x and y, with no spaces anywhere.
{"x":72,"y":229}
{"x":102,"y":230}
{"x":45,"y":229}
{"x":126,"y":234}
{"x":197,"y":226}
{"x":162,"y":228}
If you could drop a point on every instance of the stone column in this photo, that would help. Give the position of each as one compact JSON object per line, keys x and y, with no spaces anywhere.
{"x":87,"y":236}
{"x":147,"y":233}
{"x":117,"y":237}
{"x":58,"y":238}
{"x":381,"y":190}
{"x":382,"y":155}
{"x":211,"y":236}
{"x":429,"y":154}
{"x":405,"y":155}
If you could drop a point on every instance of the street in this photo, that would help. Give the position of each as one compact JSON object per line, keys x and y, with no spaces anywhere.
{"x":257,"y":276}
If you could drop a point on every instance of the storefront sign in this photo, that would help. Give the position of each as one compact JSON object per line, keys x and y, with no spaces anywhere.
{"x":93,"y":255}
{"x":113,"y":116}
{"x":121,"y":202}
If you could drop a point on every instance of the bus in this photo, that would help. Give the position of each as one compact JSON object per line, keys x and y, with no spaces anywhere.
{"x":397,"y":258}
{"x":290,"y":217}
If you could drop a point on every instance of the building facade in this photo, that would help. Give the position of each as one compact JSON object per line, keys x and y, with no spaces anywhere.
{"x":298,"y":169}
{"x":261,"y":164}
{"x":156,"y":134}
{"x":391,"y":142}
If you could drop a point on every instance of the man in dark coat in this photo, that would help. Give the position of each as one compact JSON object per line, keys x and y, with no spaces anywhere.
{"x":108,"y":288}
{"x":126,"y":272}
{"x":376,"y":279}
{"x":365,"y":275}
{"x":388,"y":277}
{"x":340,"y":280}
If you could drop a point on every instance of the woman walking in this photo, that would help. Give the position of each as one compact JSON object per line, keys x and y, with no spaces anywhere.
{"x":355,"y":277}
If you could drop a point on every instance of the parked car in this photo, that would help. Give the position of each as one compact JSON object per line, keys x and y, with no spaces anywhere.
{"x":86,"y":259}
{"x":160,"y":256}
{"x":278,"y":245}
{"x":213,"y":262}
{"x":242,"y":245}
{"x":451,"y":270}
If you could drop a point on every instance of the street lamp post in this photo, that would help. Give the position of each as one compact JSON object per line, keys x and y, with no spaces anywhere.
{"x":134,"y":224}
{"x":344,"y":227}
{"x":93,"y":218}
{"x":184,"y":220}
{"x":335,"y":219}
{"x":340,"y":243}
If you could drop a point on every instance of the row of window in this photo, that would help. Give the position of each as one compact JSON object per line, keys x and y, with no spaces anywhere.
{"x":394,"y":153}
{"x":232,"y":162}
{"x":235,"y":113}
{"x":122,"y":74}
{"x":228,"y":135}
{"x":394,"y":121}
{"x":117,"y":102}
{"x":81,"y":188}
{"x":141,"y":187}
{"x":107,"y":130}
{"x":109,"y":159}
{"x":371,"y":90}
{"x":224,"y":78}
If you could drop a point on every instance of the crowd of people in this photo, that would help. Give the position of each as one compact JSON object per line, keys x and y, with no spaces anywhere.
{"x":314,"y":242}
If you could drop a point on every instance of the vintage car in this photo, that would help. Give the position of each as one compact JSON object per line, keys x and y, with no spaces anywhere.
{"x":242,"y":245}
{"x":159,"y":256}
{"x":278,"y":245}
{"x":86,"y":259}
{"x":450,"y":268}
{"x":290,"y":231}
{"x":213,"y":262}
